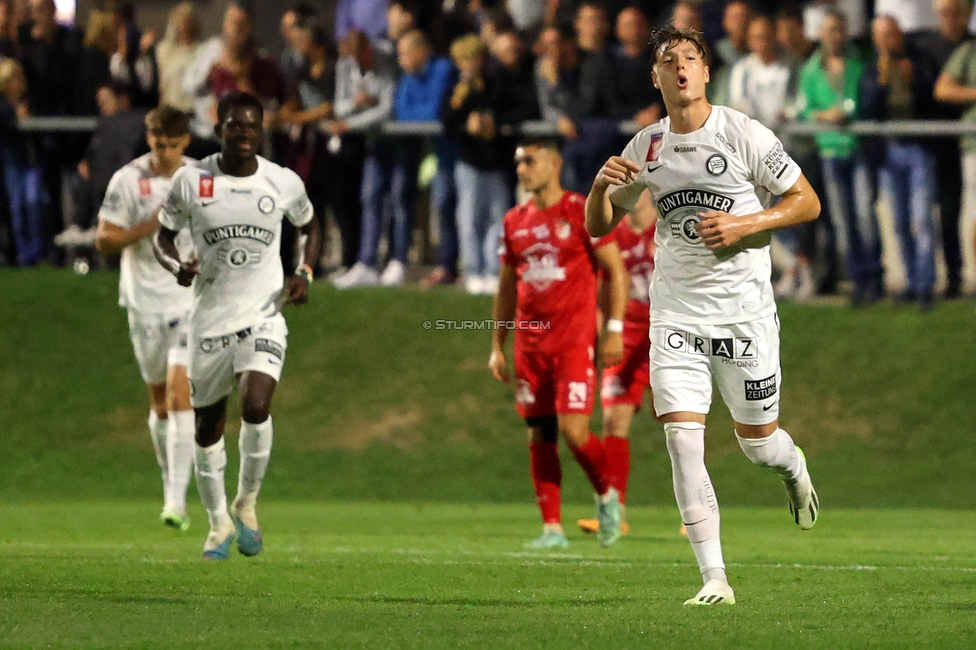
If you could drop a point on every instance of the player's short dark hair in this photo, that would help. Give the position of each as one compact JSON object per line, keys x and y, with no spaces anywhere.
{"x":168,"y":122}
{"x":566,"y":31}
{"x":238,"y":99}
{"x":667,"y":37}
{"x":319,"y":36}
{"x":550,"y":142}
{"x":304,"y":12}
{"x":412,"y":7}
{"x":790,"y":12}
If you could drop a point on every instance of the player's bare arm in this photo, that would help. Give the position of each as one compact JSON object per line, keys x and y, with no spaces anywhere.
{"x":799,"y":205}
{"x":307,"y":244}
{"x":615,"y":285}
{"x":601,"y":215}
{"x":110,"y":239}
{"x":164,"y":246}
{"x":503,"y":311}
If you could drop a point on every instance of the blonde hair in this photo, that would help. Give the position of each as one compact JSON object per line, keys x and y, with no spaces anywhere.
{"x":9,"y":68}
{"x":178,"y":13}
{"x":100,"y":32}
{"x":467,"y":47}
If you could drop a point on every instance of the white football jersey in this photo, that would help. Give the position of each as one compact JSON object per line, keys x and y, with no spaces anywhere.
{"x":145,"y":286}
{"x":236,"y":227}
{"x":733,"y":164}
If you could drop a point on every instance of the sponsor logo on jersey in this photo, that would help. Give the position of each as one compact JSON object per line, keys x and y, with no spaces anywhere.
{"x":543,"y":266}
{"x":716,"y":164}
{"x":145,"y":187}
{"x":777,"y":160}
{"x":681,"y":210}
{"x":728,"y":145}
{"x":756,"y":391}
{"x":266,"y":205}
{"x":576,"y":394}
{"x":685,"y":149}
{"x":243,"y":231}
{"x":269,"y":346}
{"x":541,"y":232}
{"x":113,"y":201}
{"x":737,"y":351}
{"x":206,"y":187}
{"x":654,"y":150}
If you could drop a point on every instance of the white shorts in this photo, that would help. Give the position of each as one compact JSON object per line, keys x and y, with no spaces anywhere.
{"x":215,"y":361}
{"x":742,"y":359}
{"x":159,"y":341}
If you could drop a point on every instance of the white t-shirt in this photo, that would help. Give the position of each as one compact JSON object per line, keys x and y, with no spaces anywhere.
{"x":145,"y":286}
{"x":761,"y":90}
{"x":236,"y":227}
{"x":733,"y":164}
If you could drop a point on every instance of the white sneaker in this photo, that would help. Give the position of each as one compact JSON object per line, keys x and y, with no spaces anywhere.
{"x":474,"y":285}
{"x":71,"y":236}
{"x":715,"y":592}
{"x":359,"y":275}
{"x":393,"y":274}
{"x":804,"y":504}
{"x":489,"y":285}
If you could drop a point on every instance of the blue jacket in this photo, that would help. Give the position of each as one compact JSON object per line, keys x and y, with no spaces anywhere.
{"x":419,"y":96}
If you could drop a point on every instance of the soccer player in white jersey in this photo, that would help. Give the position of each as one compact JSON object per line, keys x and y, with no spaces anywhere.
{"x":712,"y":173}
{"x":233,"y":203}
{"x":158,"y":307}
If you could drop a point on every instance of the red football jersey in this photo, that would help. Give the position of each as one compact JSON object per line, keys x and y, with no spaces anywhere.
{"x":554,"y":257}
{"x":637,"y":251}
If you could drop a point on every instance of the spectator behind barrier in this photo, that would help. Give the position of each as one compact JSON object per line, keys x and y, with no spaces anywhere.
{"x":952,"y":32}
{"x":761,"y":86}
{"x":365,"y":85}
{"x":731,"y":48}
{"x":23,"y":181}
{"x":133,"y":63}
{"x":686,"y":15}
{"x":98,"y":46}
{"x":293,"y":21}
{"x":391,"y":168}
{"x":471,"y":115}
{"x":898,"y":85}
{"x":591,"y":28}
{"x":9,"y":23}
{"x":829,"y":83}
{"x":176,"y":53}
{"x":631,"y":95}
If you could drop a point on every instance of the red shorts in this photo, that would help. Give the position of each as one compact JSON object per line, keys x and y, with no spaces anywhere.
{"x":554,"y":383}
{"x":627,"y":381}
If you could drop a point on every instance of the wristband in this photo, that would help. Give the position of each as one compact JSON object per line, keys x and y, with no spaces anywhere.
{"x":305,"y":271}
{"x":615,"y":326}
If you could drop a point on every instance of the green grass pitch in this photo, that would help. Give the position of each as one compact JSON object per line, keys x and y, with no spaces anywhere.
{"x":398,"y":497}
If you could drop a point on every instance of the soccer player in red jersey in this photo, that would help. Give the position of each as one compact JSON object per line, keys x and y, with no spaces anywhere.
{"x":547,"y":294}
{"x":624,"y":383}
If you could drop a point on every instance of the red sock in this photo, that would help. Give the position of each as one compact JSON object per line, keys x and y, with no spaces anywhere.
{"x":592,"y":459}
{"x":547,"y":476}
{"x":617,"y":451}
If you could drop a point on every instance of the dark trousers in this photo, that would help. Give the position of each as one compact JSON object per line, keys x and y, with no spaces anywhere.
{"x":445,"y":201}
{"x":948,"y":195}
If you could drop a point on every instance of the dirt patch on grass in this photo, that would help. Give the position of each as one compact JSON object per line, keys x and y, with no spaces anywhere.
{"x":396,"y":427}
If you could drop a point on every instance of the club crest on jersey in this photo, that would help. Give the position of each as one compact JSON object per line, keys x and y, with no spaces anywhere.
{"x":654,"y":150}
{"x":238,"y":231}
{"x":145,"y":187}
{"x":716,"y":164}
{"x":266,"y":205}
{"x":543,"y":266}
{"x":206,"y":187}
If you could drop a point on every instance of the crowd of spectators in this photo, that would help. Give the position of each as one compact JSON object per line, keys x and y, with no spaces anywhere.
{"x":480,"y":69}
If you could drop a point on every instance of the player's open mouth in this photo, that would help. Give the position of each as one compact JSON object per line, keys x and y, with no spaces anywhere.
{"x":682,"y":81}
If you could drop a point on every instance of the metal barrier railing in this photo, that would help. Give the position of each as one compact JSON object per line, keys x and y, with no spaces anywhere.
{"x":891,"y":129}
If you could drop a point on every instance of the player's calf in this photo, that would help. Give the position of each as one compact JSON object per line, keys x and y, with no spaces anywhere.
{"x":779,"y":453}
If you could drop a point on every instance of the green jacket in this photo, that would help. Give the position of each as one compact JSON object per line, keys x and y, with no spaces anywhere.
{"x":818,"y":95}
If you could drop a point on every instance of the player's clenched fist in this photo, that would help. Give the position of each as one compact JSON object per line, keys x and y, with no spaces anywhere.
{"x":499,"y":366}
{"x":616,"y":171}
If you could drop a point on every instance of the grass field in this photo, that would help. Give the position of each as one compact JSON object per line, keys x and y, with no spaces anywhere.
{"x":450,"y":576}
{"x":398,"y":495}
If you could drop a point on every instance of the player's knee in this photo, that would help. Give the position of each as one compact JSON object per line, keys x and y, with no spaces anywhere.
{"x":685,"y":439}
{"x":612,"y":425}
{"x":255,"y":411}
{"x":575,"y":434}
{"x":543,"y":429}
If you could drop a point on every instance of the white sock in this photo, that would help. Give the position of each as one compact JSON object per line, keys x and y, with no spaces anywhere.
{"x":157,"y":433}
{"x":210,"y":464}
{"x":180,"y":451}
{"x":695,"y":496}
{"x":255,"y":446}
{"x":776,"y":452}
